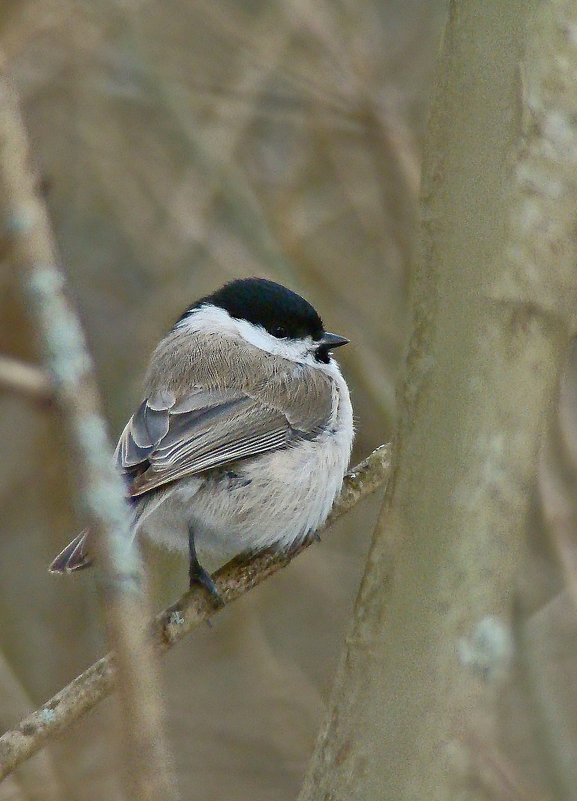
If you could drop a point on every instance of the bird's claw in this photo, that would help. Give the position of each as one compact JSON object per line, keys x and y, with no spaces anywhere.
{"x":198,"y":575}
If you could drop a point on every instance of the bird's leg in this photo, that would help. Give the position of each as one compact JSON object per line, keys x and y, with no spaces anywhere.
{"x":196,"y":573}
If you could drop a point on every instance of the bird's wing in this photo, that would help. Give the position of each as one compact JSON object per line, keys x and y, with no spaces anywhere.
{"x":168,"y":437}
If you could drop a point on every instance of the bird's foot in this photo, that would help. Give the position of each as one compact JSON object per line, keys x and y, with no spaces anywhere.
{"x":198,"y":575}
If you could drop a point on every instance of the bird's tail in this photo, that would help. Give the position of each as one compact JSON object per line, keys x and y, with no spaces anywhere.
{"x":75,"y":556}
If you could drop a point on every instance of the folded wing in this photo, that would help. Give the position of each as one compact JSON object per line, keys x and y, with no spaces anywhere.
{"x":169,"y":437}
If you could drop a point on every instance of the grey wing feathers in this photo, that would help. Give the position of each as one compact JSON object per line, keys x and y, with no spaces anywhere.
{"x":197,"y":424}
{"x":203,"y":430}
{"x":139,"y":439}
{"x":75,"y":556}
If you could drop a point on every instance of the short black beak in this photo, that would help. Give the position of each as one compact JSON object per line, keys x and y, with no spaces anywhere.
{"x":330,"y":341}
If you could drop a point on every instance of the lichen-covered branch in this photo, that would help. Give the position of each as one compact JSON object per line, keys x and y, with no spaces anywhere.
{"x":27,"y":240}
{"x":232,"y":581}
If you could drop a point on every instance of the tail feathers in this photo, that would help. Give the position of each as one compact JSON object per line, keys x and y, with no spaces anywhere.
{"x":74,"y":557}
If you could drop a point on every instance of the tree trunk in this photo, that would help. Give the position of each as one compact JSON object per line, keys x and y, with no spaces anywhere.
{"x":433,"y":646}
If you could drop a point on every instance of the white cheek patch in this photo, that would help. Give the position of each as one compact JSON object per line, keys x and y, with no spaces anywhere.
{"x":213,"y":318}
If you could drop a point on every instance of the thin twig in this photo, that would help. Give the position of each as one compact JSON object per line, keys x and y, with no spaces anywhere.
{"x":28,"y":240}
{"x":25,"y":379}
{"x":233,"y":580}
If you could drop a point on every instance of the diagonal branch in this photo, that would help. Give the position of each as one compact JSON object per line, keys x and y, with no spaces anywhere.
{"x":232,"y":581}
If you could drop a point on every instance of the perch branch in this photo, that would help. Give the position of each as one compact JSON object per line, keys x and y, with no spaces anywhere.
{"x":232,"y":581}
{"x":28,"y":240}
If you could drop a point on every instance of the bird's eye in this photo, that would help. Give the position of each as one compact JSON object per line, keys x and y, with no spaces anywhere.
{"x":280,"y":332}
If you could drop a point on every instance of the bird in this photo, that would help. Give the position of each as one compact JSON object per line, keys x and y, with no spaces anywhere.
{"x":243,"y":435}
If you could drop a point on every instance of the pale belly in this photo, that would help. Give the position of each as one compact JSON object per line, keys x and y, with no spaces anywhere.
{"x":274,"y":500}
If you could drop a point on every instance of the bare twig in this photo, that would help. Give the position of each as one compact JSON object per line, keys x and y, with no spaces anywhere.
{"x":28,"y":239}
{"x":25,"y":379}
{"x":232,"y":581}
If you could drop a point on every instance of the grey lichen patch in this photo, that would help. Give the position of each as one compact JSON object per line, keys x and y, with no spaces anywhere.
{"x":489,"y":649}
{"x":47,"y":715}
{"x":176,"y":618}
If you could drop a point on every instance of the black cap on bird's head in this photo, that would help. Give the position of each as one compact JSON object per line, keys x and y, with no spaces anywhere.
{"x":280,"y":311}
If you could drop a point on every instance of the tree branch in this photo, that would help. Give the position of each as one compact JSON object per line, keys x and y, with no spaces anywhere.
{"x":25,"y":379}
{"x":233,"y":580}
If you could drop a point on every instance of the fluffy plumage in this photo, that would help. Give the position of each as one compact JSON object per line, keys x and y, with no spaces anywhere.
{"x":243,"y":436}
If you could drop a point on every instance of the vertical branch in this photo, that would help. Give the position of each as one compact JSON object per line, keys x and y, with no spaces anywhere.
{"x":29,"y":241}
{"x":429,"y":658}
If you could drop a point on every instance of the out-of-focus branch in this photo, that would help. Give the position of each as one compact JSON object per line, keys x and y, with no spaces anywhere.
{"x":28,"y":240}
{"x":25,"y":379}
{"x":232,"y":581}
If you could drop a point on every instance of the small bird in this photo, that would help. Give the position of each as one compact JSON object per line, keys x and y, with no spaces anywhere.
{"x":244,"y":434}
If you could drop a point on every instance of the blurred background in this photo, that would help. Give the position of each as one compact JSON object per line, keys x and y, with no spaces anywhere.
{"x":181,"y":145}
